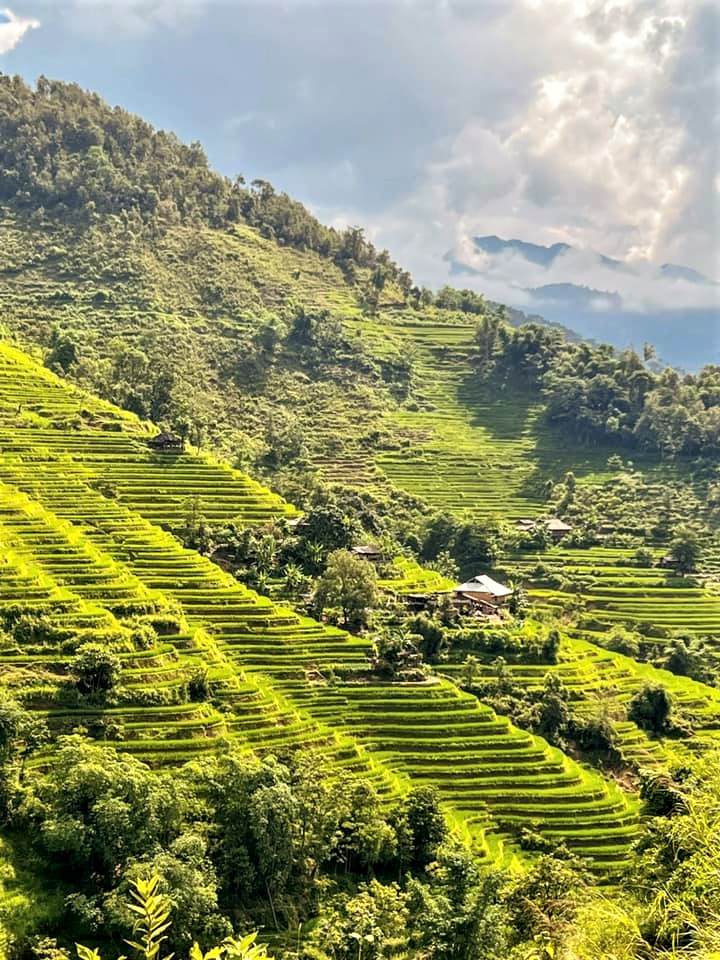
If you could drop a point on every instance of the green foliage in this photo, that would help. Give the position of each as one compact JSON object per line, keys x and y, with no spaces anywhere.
{"x":396,"y":656}
{"x":94,"y":810}
{"x":676,"y":871}
{"x":370,"y":925}
{"x":425,"y":826}
{"x":432,"y":636}
{"x":545,"y":901}
{"x":643,"y":557}
{"x":328,"y":526}
{"x":685,"y":547}
{"x":519,"y":642}
{"x":152,"y":918}
{"x":199,"y":686}
{"x":651,"y":708}
{"x":96,"y":670}
{"x":69,"y":154}
{"x":471,"y":545}
{"x":348,"y":584}
{"x":153,"y":927}
{"x":602,"y":395}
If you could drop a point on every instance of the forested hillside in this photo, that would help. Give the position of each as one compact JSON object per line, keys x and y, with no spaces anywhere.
{"x":202,"y":682}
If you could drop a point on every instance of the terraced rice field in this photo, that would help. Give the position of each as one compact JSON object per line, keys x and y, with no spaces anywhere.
{"x":485,"y":456}
{"x":86,"y":514}
{"x":599,"y":679}
{"x":618,"y":591}
{"x":464,"y":450}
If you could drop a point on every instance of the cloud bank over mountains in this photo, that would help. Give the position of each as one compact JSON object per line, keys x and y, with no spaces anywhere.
{"x":517,"y":270}
{"x":611,"y":143}
{"x":625,"y":302}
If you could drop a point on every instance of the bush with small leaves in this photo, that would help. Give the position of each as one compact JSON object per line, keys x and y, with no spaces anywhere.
{"x":96,"y":670}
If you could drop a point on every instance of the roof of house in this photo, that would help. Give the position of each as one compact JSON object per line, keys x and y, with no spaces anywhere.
{"x":484,"y":584}
{"x":367,"y":549}
{"x":166,"y":437}
{"x":558,"y":525}
{"x":553,"y":524}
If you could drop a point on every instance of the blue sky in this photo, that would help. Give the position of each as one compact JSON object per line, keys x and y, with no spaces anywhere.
{"x":592,"y":122}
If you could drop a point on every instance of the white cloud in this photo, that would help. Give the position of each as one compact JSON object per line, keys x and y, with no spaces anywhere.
{"x":641,"y":285}
{"x":13,"y":29}
{"x":612,"y":148}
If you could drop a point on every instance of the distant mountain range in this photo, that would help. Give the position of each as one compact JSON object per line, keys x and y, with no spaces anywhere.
{"x":675,"y":308}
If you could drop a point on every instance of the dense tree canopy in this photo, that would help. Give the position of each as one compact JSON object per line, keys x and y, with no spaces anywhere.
{"x":603,"y":395}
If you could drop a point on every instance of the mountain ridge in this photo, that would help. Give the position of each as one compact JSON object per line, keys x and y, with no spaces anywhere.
{"x":603,"y":298}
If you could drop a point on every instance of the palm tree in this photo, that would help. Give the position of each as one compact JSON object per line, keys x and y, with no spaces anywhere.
{"x":294,"y":577}
{"x":315,"y":555}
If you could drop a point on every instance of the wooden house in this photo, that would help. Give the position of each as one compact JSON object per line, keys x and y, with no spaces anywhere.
{"x":167,"y":443}
{"x":368,"y":551}
{"x":482,"y":592}
{"x":558,"y":528}
{"x":555,"y":527}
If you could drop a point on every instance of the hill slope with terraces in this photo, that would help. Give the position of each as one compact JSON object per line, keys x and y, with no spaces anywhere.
{"x":139,"y":291}
{"x":231,"y":314}
{"x":92,"y":563}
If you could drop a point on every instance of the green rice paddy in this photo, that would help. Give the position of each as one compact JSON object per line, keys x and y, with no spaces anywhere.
{"x":86,"y":514}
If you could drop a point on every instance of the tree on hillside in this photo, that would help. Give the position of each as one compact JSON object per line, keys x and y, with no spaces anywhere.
{"x":471,"y":544}
{"x":397,"y":655}
{"x":426,"y":825}
{"x":93,"y":810}
{"x":20,"y":734}
{"x":96,"y":670}
{"x":328,"y":526}
{"x":686,"y":549}
{"x":349,"y":584}
{"x":651,"y":708}
{"x":63,"y":354}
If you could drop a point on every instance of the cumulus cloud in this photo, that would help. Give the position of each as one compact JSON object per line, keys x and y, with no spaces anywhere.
{"x":613,"y":148}
{"x":13,"y":29}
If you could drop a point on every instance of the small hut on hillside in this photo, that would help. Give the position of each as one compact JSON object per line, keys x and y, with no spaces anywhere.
{"x":368,"y":551}
{"x":167,"y":443}
{"x":558,"y":528}
{"x":482,"y":592}
{"x":555,"y":527}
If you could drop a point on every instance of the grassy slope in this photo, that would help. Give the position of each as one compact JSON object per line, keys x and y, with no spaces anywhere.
{"x":92,"y":563}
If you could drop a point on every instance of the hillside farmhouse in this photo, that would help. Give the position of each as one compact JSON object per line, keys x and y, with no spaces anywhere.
{"x":368,"y":551}
{"x":556,"y":528}
{"x":482,"y":592}
{"x":166,"y":443}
